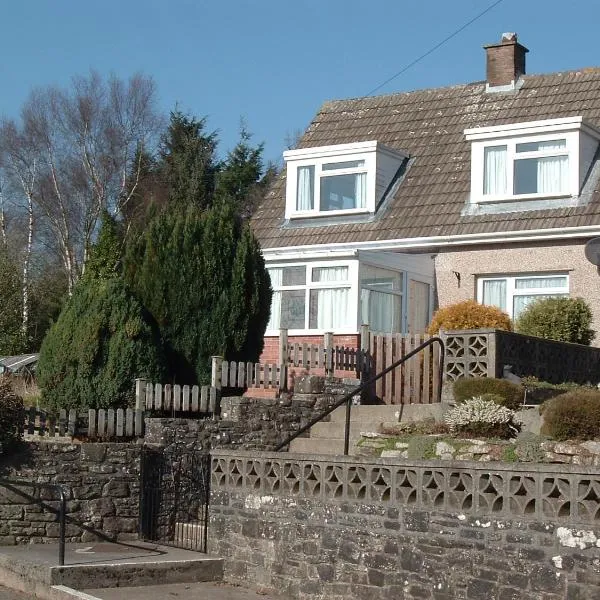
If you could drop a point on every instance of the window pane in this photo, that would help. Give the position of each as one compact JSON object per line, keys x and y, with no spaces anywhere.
{"x":494,"y":293}
{"x":305,"y":194}
{"x":382,"y":312}
{"x":275,"y":310}
{"x":293,"y":276}
{"x":292,"y":309}
{"x":350,"y":164}
{"x":381,"y":278}
{"x":521,"y":302}
{"x":330,"y":274}
{"x":540,"y":283}
{"x":343,"y":192}
{"x":494,"y":174}
{"x":329,"y":308}
{"x":544,"y":146}
{"x":546,"y":175}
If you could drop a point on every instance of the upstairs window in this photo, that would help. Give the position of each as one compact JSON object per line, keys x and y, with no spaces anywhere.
{"x":531,"y":161}
{"x":338,"y":180}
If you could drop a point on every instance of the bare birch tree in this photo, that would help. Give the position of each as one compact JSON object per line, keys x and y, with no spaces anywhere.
{"x":77,"y":149}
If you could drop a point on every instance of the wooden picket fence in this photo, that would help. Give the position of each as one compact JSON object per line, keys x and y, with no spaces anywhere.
{"x":336,"y":358}
{"x":414,"y":382}
{"x":92,"y":424}
{"x":176,"y":398}
{"x":231,"y":374}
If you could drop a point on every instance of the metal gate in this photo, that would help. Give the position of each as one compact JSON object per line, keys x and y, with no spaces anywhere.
{"x":174,"y":491}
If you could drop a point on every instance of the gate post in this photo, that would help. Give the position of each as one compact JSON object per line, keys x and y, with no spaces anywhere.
{"x":140,"y":394}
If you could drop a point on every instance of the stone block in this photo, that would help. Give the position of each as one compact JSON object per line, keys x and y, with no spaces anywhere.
{"x":119,"y":525}
{"x":116,"y":489}
{"x":309,"y":384}
{"x":95,"y":453}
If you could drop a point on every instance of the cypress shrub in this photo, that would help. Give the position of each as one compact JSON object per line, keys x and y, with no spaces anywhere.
{"x":506,"y":393}
{"x":202,"y":277}
{"x":562,"y":319}
{"x":102,"y":340}
{"x":11,"y":415}
{"x":469,"y":315}
{"x":573,"y":416}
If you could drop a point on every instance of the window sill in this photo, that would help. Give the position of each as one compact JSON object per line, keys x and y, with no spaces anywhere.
{"x":520,"y":197}
{"x":329,"y":213}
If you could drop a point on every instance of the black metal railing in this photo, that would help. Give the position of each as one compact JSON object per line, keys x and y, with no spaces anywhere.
{"x":347,"y":399}
{"x":13,"y":486}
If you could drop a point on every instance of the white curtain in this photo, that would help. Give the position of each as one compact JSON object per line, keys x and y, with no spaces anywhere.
{"x":530,"y":283}
{"x":276,"y":280}
{"x":377,"y":309}
{"x":332,"y":308}
{"x":361,"y":190}
{"x":494,"y":293}
{"x":552,"y":171}
{"x":305,"y":196}
{"x":494,"y":178}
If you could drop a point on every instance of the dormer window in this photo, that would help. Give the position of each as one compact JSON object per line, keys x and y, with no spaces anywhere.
{"x":531,"y":161}
{"x":339,"y":180}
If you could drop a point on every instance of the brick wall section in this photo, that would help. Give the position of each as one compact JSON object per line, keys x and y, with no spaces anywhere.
{"x":104,"y":479}
{"x":324,"y":527}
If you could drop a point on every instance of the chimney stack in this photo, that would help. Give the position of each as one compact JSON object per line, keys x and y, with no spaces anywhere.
{"x":505,"y":61}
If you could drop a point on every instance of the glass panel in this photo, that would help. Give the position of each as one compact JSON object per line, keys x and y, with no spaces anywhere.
{"x":547,"y":175}
{"x":293,"y":305}
{"x":540,"y":283}
{"x":330,"y":274}
{"x":494,"y":171}
{"x":494,"y":293}
{"x":329,"y":308}
{"x":381,"y":311}
{"x":537,"y":146}
{"x":521,"y":302}
{"x":350,"y":164}
{"x":343,"y":192}
{"x":418,"y":314}
{"x":381,"y":278}
{"x":305,"y":193}
{"x":293,"y":276}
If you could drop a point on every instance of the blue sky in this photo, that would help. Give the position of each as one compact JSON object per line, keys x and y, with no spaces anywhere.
{"x":274,"y":62}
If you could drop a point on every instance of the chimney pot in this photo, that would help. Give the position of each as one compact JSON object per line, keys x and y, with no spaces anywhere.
{"x":505,"y":61}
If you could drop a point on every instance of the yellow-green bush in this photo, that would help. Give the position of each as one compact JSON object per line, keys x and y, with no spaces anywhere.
{"x":507,"y":393}
{"x":573,"y":416}
{"x":469,"y":315}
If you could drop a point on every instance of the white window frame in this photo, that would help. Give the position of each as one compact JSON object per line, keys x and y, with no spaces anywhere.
{"x":568,"y":129}
{"x":512,"y":291}
{"x":351,"y":284}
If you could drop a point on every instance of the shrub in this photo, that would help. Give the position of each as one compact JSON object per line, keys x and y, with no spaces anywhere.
{"x":480,"y":417}
{"x":562,"y":319}
{"x":574,"y":415}
{"x":469,"y":315}
{"x":508,"y":394}
{"x":102,"y":340}
{"x":11,"y":415}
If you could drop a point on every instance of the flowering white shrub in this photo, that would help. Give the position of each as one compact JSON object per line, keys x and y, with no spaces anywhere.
{"x":481,"y":415}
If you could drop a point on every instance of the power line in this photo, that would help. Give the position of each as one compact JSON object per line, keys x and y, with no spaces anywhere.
{"x":420,"y":58}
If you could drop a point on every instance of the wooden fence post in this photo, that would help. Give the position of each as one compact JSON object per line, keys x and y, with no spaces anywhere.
{"x":365,"y":365}
{"x":328,"y":347}
{"x":140,"y":394}
{"x":215,"y":380}
{"x":283,"y":358}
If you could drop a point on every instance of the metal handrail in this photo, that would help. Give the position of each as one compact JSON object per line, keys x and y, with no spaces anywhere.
{"x":10,"y":484}
{"x":347,"y":399}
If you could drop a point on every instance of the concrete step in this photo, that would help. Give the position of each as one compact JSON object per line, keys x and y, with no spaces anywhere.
{"x":336,"y":429}
{"x":320,"y":446}
{"x":387,"y":413}
{"x":33,"y":568}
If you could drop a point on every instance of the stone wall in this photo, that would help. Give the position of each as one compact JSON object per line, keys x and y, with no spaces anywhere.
{"x":315,"y":526}
{"x":104,"y":479}
{"x":246,"y":423}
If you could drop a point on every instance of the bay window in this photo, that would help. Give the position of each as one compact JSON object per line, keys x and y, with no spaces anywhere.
{"x":381,"y":292}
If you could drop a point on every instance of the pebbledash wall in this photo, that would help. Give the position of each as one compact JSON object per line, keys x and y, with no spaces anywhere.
{"x":557,"y":257}
{"x":339,"y":527}
{"x":104,"y":479}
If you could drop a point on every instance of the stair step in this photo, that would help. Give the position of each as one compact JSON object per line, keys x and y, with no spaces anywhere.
{"x":336,"y":429}
{"x":320,"y":446}
{"x":366,"y":413}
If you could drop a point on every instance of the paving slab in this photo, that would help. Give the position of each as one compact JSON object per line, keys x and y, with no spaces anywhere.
{"x":180,"y":591}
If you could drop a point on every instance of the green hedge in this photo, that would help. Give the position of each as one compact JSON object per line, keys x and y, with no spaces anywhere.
{"x":511,"y":394}
{"x":573,"y":416}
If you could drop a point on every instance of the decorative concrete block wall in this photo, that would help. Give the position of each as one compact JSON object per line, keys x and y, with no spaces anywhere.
{"x":315,"y":526}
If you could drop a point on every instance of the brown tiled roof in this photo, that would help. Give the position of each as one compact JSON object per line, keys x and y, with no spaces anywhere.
{"x":429,"y":125}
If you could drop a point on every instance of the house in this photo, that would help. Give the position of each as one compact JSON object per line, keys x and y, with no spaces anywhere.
{"x":394,"y":205}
